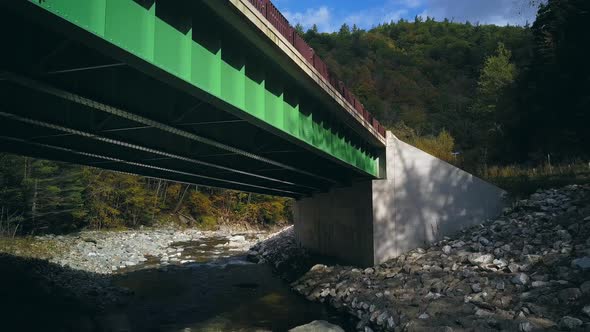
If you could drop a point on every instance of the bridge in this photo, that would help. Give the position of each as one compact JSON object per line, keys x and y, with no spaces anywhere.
{"x":223,"y":93}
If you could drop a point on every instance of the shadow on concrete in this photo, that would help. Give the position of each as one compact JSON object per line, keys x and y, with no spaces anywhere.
{"x":427,"y":199}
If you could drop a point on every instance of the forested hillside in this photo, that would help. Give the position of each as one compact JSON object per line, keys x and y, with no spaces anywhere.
{"x":505,"y":94}
{"x":38,"y":196}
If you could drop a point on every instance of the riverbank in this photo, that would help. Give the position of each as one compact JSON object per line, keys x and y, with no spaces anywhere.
{"x":107,"y":252}
{"x":151,"y":279}
{"x":527,"y":270}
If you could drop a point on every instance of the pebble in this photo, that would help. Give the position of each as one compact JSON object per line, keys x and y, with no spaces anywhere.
{"x":569,"y":295}
{"x":476,"y":288}
{"x":526,"y":327}
{"x":480,"y":259}
{"x":582,"y":263}
{"x":569,"y":323}
{"x":424,"y":316}
{"x":447,"y":249}
{"x":520,"y":279}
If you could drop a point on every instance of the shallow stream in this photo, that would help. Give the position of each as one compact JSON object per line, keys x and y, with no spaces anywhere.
{"x":219,"y":291}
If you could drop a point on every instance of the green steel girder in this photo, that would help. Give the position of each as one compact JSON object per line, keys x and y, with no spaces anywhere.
{"x":132,"y":167}
{"x":77,"y":99}
{"x":140,"y":32}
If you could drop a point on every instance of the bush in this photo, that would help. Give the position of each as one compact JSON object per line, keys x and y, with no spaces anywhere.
{"x":207,"y":223}
{"x":199,"y":204}
{"x":440,"y":146}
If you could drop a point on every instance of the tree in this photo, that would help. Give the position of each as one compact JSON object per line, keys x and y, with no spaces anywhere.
{"x":555,"y":88}
{"x":344,"y":31}
{"x":497,"y":74}
{"x":299,"y":29}
{"x":493,"y":96}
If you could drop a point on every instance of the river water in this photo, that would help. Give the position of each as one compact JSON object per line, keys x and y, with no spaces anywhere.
{"x":219,"y":291}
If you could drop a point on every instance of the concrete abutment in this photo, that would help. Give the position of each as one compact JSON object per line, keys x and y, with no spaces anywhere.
{"x":421,"y":200}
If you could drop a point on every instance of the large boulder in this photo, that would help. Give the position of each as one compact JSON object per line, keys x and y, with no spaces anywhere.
{"x":317,"y":326}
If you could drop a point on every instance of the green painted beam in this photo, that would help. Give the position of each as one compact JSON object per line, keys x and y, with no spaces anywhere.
{"x":140,"y":32}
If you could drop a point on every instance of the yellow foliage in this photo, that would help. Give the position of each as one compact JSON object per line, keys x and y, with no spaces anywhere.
{"x":440,"y":146}
{"x":208,"y":223}
{"x":200,"y":204}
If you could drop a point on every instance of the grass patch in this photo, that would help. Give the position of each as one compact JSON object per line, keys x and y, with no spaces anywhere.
{"x":522,"y":181}
{"x":30,"y":247}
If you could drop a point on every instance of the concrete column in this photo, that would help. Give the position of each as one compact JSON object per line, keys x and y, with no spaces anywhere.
{"x":422,"y":199}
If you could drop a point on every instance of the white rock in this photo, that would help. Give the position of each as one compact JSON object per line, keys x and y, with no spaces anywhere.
{"x":520,"y":279}
{"x":317,"y":326}
{"x":237,"y":238}
{"x":318,"y":267}
{"x":537,"y":284}
{"x":526,"y":327}
{"x":500,"y":263}
{"x":447,"y":249}
{"x":480,"y":259}
{"x":483,"y":313}
{"x":569,"y":323}
{"x":581,"y":263}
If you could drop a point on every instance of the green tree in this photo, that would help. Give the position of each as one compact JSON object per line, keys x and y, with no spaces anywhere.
{"x":497,"y":74}
{"x":555,"y":102}
{"x":344,"y":31}
{"x":299,"y":29}
{"x":493,"y":97}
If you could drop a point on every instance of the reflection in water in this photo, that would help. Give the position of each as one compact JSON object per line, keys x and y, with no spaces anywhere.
{"x":219,"y":291}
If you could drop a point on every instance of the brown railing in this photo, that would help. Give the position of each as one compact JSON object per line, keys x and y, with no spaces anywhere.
{"x":274,"y":16}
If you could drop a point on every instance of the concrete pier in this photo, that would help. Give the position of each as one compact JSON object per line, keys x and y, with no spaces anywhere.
{"x":421,"y":200}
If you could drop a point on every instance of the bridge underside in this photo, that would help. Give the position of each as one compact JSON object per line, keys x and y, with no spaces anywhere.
{"x":62,"y":99}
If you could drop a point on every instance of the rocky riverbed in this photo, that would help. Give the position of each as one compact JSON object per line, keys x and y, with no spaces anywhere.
{"x":151,"y":279}
{"x":108,"y":252}
{"x":527,"y":270}
{"x":82,"y":264}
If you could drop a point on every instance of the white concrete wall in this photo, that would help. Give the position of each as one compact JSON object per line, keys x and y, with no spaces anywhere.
{"x":422,"y":200}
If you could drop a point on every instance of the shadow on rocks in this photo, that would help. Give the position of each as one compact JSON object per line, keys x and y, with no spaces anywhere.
{"x":36,"y":295}
{"x":287,"y":258}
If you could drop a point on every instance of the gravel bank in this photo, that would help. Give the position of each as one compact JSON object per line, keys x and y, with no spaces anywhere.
{"x":527,"y":270}
{"x":81,"y":266}
{"x":107,"y":252}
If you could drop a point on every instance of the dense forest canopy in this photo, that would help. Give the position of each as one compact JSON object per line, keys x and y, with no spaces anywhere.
{"x":474,"y":95}
{"x":505,"y":94}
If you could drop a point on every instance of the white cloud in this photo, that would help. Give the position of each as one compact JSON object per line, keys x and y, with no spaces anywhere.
{"x":498,"y":12}
{"x":321,"y":16}
{"x":373,"y":17}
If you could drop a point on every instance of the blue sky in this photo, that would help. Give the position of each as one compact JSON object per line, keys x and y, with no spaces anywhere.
{"x":329,"y":15}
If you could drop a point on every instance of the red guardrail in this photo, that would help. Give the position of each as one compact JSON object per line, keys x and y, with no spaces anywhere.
{"x":303,"y":48}
{"x":274,"y":16}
